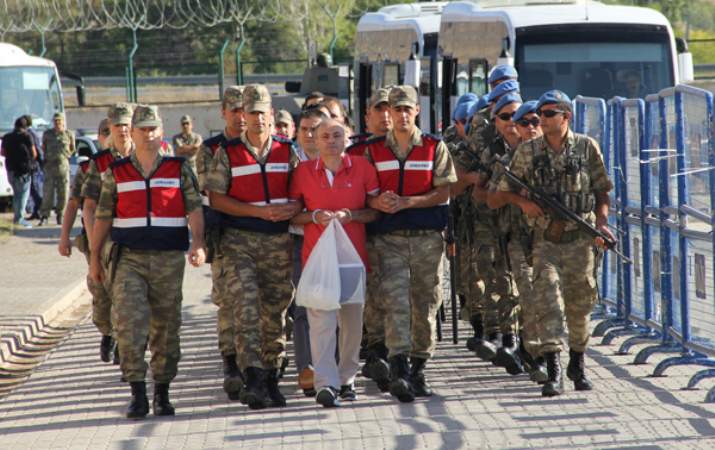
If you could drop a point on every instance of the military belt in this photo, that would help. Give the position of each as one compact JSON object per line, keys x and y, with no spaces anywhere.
{"x":412,"y":233}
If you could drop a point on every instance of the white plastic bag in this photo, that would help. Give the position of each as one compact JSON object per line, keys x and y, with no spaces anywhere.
{"x":319,"y":284}
{"x":352,"y":269}
{"x":333,"y":274}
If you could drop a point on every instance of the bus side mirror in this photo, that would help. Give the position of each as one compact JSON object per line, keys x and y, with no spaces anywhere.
{"x":686,"y":71}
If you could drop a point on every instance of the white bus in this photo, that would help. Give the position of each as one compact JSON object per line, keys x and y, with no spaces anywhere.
{"x":581,"y":47}
{"x":28,"y":85}
{"x":396,"y":45}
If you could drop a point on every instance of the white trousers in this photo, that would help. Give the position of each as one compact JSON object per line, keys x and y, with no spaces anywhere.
{"x":323,"y":340}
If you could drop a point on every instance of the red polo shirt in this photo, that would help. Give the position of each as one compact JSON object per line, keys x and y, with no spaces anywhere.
{"x":350,"y":188}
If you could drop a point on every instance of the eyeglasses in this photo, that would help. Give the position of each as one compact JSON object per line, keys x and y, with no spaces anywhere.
{"x":505,"y":116}
{"x":549,"y":113}
{"x":534,"y":122}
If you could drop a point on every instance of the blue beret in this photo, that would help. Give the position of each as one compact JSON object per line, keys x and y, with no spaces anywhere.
{"x":551,"y":97}
{"x":461,"y":111}
{"x":506,"y":100}
{"x":468,"y":97}
{"x":481,"y":104}
{"x":503,"y":88}
{"x":502,"y":71}
{"x":526,"y":108}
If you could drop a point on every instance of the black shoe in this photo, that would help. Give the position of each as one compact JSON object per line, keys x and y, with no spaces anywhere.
{"x":59,"y":219}
{"x":576,"y":371}
{"x":106,"y":347}
{"x":254,"y":394}
{"x":139,"y":405}
{"x":417,"y":378}
{"x":328,"y":397}
{"x":486,"y":349}
{"x":161,"y":404}
{"x":347,"y":393}
{"x":43,"y":220}
{"x":34,"y":216}
{"x":507,"y":355}
{"x":115,"y":359}
{"x":555,"y":384}
{"x":232,"y":378}
{"x":284,"y":366}
{"x":399,"y":379}
{"x":277,"y":400}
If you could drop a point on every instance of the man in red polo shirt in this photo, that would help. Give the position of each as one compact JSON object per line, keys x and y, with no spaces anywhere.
{"x":335,"y":186}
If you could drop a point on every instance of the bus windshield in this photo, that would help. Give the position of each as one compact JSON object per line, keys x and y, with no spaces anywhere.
{"x":28,"y":90}
{"x":594,"y":65}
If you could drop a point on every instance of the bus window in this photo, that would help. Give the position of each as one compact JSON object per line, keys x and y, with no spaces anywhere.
{"x":391,"y":74}
{"x":478,"y":77}
{"x":593,"y":64}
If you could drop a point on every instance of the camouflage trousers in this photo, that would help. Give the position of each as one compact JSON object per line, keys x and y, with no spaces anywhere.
{"x":147,"y":308}
{"x":258,"y":278}
{"x":523,"y":276}
{"x":57,"y":181}
{"x":564,"y":285}
{"x":408,"y":275}
{"x":373,"y":314}
{"x":101,"y":300}
{"x":497,"y":302}
{"x":224,"y":301}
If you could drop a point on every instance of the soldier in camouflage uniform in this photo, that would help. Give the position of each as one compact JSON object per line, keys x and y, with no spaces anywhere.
{"x":248,"y":183}
{"x":520,"y":237}
{"x":473,"y":165}
{"x":409,"y":240}
{"x":379,"y":123}
{"x":119,"y":145}
{"x":187,"y":142}
{"x":234,"y":118}
{"x":101,"y":303}
{"x":570,"y":167}
{"x":58,"y":144}
{"x":151,"y":236}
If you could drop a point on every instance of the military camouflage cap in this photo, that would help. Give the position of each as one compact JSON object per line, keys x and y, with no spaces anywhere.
{"x":120,"y":114}
{"x":381,"y":95}
{"x":185,"y":119}
{"x":256,"y":98}
{"x":233,"y":97}
{"x":402,"y":96}
{"x":146,"y":116}
{"x":58,"y":115}
{"x":283,"y":116}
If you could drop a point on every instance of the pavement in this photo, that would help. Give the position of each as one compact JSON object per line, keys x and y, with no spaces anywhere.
{"x":74,"y":401}
{"x":37,"y":286}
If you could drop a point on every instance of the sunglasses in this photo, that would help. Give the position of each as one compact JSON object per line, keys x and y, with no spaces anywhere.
{"x":534,"y":122}
{"x":505,"y":116}
{"x":549,"y":113}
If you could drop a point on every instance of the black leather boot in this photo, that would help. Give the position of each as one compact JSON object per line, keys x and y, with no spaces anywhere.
{"x":376,"y":366}
{"x":232,"y":378}
{"x":507,"y":355}
{"x":576,"y":371}
{"x":486,"y":349}
{"x":417,"y":378}
{"x":555,"y":384}
{"x":161,"y":404}
{"x":399,"y":379}
{"x":478,"y":326}
{"x":139,"y":405}
{"x":254,"y":394}
{"x":106,"y":347}
{"x":275,"y":396}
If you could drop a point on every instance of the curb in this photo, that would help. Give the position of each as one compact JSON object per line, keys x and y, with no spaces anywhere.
{"x":16,"y":332}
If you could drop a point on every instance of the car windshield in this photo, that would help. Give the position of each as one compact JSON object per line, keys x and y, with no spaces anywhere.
{"x":28,"y":90}
{"x":595,"y":66}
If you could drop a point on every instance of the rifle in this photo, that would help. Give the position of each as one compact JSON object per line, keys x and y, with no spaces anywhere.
{"x":452,"y":255}
{"x":546,"y":201}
